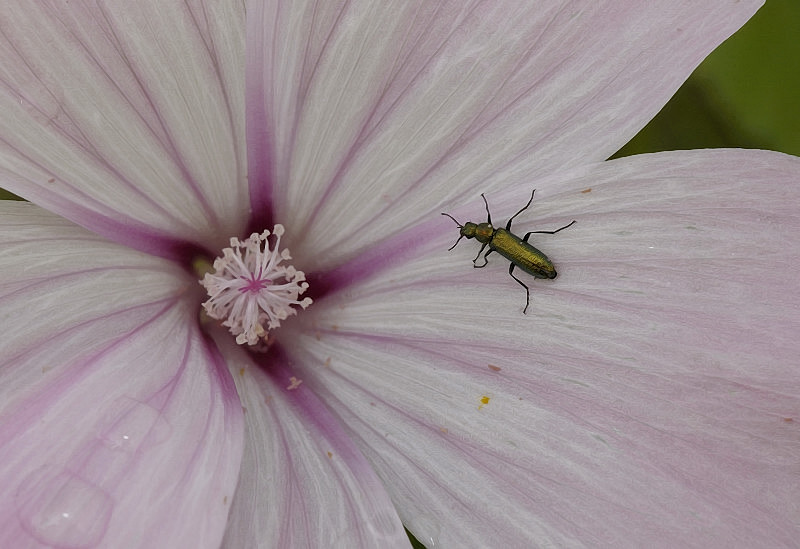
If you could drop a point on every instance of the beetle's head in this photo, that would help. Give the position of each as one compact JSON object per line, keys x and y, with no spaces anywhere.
{"x":469,"y":229}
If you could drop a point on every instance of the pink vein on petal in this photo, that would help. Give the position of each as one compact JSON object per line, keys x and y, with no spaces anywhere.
{"x":86,"y":143}
{"x":401,"y":247}
{"x":79,"y":371}
{"x":260,"y":143}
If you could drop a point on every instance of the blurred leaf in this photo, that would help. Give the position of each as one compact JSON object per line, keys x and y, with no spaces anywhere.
{"x":414,"y":543}
{"x":5,"y":195}
{"x":745,"y":94}
{"x":758,"y":78}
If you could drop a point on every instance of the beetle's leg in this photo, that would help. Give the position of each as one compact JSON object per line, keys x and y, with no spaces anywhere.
{"x":508,"y":225}
{"x":527,"y":291}
{"x":485,"y":261}
{"x":488,"y":215}
{"x":525,"y":238}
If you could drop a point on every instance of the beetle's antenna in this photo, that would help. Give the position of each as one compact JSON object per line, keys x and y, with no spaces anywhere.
{"x":460,"y":226}
{"x":488,"y":214}
{"x":456,"y":244}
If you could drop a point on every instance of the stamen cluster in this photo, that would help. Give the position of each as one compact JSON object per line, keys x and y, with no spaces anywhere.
{"x":250,"y":290}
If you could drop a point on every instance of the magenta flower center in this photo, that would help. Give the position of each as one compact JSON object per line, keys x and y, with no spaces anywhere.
{"x":255,"y":284}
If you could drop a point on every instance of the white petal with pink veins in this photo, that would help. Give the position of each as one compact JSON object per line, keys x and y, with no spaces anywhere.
{"x":303,"y":482}
{"x":648,"y":398}
{"x":381,"y":111}
{"x":127,"y":118}
{"x":121,"y":426}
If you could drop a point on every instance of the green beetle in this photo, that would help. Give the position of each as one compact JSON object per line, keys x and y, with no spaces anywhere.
{"x":517,"y":250}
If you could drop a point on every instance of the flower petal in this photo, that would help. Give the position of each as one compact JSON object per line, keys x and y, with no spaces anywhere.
{"x":650,"y":397}
{"x":303,"y":482}
{"x":120,"y":425}
{"x":384,"y":110}
{"x":127,"y":117}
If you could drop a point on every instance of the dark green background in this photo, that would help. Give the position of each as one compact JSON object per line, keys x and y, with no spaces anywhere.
{"x":745,"y":94}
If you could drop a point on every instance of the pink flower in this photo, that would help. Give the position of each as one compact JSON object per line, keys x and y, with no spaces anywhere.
{"x":649,"y":397}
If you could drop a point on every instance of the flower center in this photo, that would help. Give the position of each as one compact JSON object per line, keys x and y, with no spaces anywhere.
{"x":250,"y":291}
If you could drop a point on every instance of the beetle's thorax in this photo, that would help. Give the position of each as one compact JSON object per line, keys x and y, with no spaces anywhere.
{"x":484,"y":232}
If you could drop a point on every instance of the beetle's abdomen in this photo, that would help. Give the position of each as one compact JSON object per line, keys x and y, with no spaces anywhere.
{"x":522,"y":254}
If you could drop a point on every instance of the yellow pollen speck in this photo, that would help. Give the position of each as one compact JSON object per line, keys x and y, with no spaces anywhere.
{"x":294,"y":383}
{"x":587,"y":190}
{"x":494,"y":368}
{"x":328,"y":362}
{"x":484,"y":401}
{"x":444,"y":430}
{"x":330,"y":455}
{"x":241,"y":372}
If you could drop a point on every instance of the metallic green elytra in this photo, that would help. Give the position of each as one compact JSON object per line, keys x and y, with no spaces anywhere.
{"x":517,"y":250}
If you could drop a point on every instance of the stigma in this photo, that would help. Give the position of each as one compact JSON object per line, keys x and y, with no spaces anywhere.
{"x":250,"y":290}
